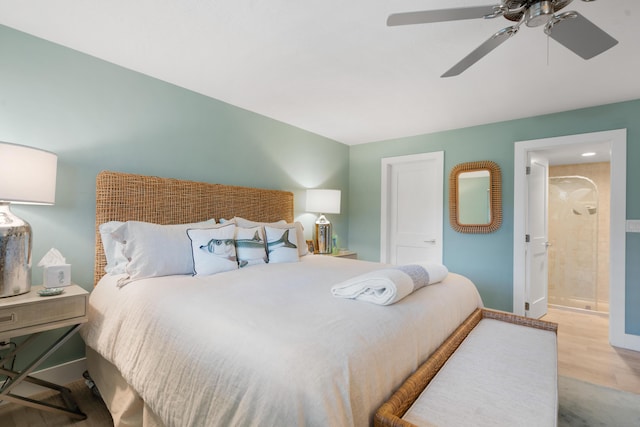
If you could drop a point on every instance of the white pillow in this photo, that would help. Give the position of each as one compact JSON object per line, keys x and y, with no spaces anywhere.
{"x":282,"y":244}
{"x":303,"y":249}
{"x":116,"y":261}
{"x":251,"y":247}
{"x":247,"y":223}
{"x":156,"y":250}
{"x":213,"y":249}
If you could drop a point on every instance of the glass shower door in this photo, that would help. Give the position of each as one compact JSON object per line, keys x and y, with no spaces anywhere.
{"x":573,"y":234}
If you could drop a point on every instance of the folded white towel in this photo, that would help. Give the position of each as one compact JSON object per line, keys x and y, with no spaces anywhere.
{"x":390,"y":285}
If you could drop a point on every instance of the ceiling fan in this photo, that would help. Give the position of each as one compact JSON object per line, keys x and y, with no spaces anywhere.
{"x":570,"y":29}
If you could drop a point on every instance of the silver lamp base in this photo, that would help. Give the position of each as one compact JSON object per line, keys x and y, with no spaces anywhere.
{"x":15,"y":253}
{"x":323,"y":235}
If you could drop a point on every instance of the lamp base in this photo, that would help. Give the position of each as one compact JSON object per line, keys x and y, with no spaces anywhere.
{"x":323,"y":235}
{"x":15,"y":253}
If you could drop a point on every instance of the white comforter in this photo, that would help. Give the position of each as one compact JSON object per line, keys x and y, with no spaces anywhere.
{"x":269,"y":345}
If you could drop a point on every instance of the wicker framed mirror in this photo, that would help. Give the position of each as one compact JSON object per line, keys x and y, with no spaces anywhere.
{"x":475,"y":197}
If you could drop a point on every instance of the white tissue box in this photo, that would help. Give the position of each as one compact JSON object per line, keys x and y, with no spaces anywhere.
{"x":56,"y":276}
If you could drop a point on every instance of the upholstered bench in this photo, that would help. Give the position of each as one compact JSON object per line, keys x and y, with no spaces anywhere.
{"x":495,"y":369}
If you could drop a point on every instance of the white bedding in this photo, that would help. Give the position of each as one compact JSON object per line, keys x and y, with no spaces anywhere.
{"x":269,"y":345}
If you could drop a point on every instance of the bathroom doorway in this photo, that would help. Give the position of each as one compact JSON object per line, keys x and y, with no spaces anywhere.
{"x":617,"y":141}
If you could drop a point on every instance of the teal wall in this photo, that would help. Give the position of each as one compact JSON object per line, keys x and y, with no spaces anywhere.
{"x":96,"y":116}
{"x":488,"y":258}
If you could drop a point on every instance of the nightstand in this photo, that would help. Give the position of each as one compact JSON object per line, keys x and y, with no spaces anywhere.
{"x":30,"y":314}
{"x":344,"y":254}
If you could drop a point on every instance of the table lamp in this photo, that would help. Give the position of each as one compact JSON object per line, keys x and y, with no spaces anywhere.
{"x":323,"y":202}
{"x":27,"y":176}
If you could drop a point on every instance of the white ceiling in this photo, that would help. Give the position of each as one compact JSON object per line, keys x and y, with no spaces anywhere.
{"x":333,"y":67}
{"x":571,"y":154}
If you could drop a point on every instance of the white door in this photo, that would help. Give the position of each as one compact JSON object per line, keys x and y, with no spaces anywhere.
{"x":538,"y":236}
{"x":412,"y":208}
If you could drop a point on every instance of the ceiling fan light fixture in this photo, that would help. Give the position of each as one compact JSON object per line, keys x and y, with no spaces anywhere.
{"x":539,"y":13}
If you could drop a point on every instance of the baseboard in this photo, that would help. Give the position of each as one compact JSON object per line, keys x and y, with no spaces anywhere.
{"x":59,"y":374}
{"x":631,"y":342}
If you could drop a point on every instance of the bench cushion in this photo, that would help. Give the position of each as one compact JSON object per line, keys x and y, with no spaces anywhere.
{"x":502,"y":374}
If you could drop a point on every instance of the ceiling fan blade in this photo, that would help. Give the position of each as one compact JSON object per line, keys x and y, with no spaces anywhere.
{"x":581,"y":36}
{"x":442,"y":15}
{"x":494,"y":41}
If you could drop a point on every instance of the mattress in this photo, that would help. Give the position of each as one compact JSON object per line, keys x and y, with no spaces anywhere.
{"x":269,"y":344}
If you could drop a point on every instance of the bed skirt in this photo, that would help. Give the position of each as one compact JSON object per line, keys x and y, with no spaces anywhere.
{"x":125,"y":405}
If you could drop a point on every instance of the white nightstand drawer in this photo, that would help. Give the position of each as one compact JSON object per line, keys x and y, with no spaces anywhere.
{"x":343,"y":254}
{"x":29,"y":313}
{"x":42,"y":312}
{"x":347,"y":254}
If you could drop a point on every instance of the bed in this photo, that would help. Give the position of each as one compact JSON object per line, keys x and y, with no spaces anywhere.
{"x":258,"y":346}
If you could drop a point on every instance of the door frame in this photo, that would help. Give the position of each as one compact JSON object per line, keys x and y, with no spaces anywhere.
{"x":617,"y":140}
{"x":387,"y":163}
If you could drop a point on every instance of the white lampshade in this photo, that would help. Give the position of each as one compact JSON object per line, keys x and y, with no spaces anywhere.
{"x":323,"y":201}
{"x":27,"y":175}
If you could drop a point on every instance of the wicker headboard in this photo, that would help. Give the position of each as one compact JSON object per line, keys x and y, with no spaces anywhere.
{"x":123,"y":197}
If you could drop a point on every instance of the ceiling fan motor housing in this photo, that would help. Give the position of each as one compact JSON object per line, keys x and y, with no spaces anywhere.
{"x":539,"y":13}
{"x":535,"y":12}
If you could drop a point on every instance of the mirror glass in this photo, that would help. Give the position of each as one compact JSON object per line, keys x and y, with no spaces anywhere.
{"x":475,"y":200}
{"x":474,"y":197}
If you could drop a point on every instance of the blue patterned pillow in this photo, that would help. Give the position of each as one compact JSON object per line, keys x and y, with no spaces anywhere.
{"x":251,"y":247}
{"x":213,"y":249}
{"x":282,"y":244}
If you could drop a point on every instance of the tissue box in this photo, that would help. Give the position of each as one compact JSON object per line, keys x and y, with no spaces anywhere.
{"x":56,"y":276}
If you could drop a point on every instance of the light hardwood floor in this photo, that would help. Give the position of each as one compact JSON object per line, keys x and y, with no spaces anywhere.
{"x":584,"y":351}
{"x":12,"y":415}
